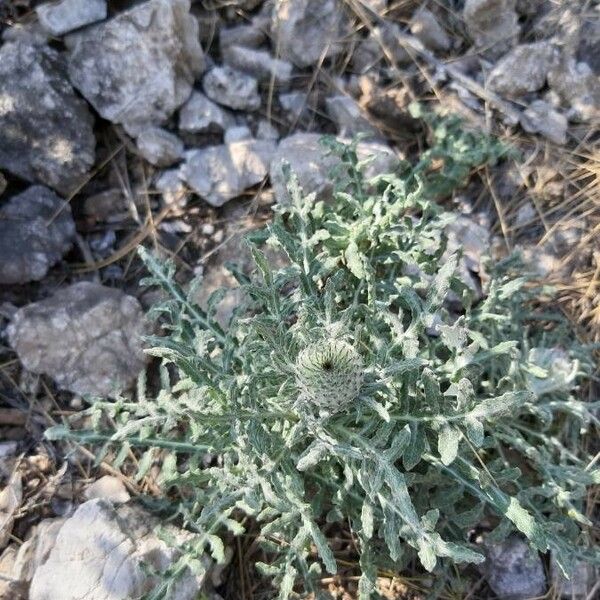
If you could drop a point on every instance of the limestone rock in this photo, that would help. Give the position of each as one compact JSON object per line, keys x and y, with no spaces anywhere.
{"x":258,"y":63}
{"x":87,"y":337}
{"x":67,"y":15}
{"x":307,"y":158}
{"x":493,"y":24}
{"x":231,"y":88}
{"x":524,"y":69}
{"x":201,"y":115}
{"x":36,"y":229}
{"x":139,"y":67}
{"x":541,"y":117}
{"x":220,"y":173}
{"x":307,"y":30}
{"x":108,"y":488}
{"x":159,"y":147}
{"x":46,"y":130}
{"x":514,"y":571}
{"x":578,"y":86}
{"x":347,"y":116}
{"x":98,"y":555}
{"x":425,"y":26}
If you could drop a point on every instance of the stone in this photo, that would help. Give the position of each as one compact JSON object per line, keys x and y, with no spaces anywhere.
{"x":258,"y":63}
{"x":2,"y":184}
{"x":159,"y":146}
{"x":524,"y":69}
{"x":348,"y":117}
{"x":108,"y":488}
{"x":247,"y":35}
{"x":237,"y":134}
{"x":67,"y":15}
{"x":425,"y":27}
{"x":578,"y":87}
{"x":295,"y":104}
{"x":266,"y":130}
{"x":139,"y":67}
{"x":513,"y":570}
{"x":46,"y":130}
{"x":305,"y":31}
{"x":308,"y":159}
{"x":493,"y":24}
{"x":541,"y":117}
{"x":36,"y":229}
{"x":87,"y":337}
{"x":578,"y":586}
{"x":201,"y":115}
{"x":11,"y":497}
{"x":231,"y":88}
{"x":99,"y":554}
{"x":220,"y":173}
{"x":173,"y":190}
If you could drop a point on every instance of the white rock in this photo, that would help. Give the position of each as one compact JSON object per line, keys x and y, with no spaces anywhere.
{"x":98,"y":555}
{"x":524,"y":69}
{"x":541,"y":117}
{"x":220,"y":173}
{"x":348,"y":117}
{"x":159,"y":147}
{"x":67,"y":15}
{"x":493,"y":24}
{"x":108,"y":488}
{"x":514,"y":570}
{"x":307,"y":30}
{"x":231,"y":88}
{"x":307,"y":158}
{"x":258,"y":63}
{"x":87,"y":337}
{"x":201,"y":115}
{"x":425,"y":26}
{"x":138,"y":68}
{"x":36,"y":229}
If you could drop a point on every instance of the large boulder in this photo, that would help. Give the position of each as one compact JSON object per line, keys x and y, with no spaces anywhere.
{"x":46,"y":130}
{"x":87,"y":337}
{"x":36,"y":229}
{"x":306,"y":31}
{"x":139,"y":67}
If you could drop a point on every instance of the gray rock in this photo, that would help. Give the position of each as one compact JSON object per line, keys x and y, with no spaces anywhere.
{"x":237,"y":134}
{"x":425,"y":26}
{"x":295,"y":104}
{"x":2,"y":184}
{"x":578,"y":87}
{"x":139,"y":67}
{"x":524,"y":69}
{"x":247,"y":35}
{"x":98,"y":554}
{"x":258,"y":63}
{"x":46,"y":130}
{"x":201,"y":115}
{"x":514,"y":571}
{"x":307,"y":30}
{"x":579,"y":585}
{"x":36,"y":229}
{"x":493,"y":24}
{"x":87,"y":337}
{"x":172,"y":189}
{"x":308,"y":159}
{"x":108,"y":488}
{"x":541,"y":117}
{"x":220,"y":173}
{"x":348,"y":117}
{"x":159,"y":147}
{"x":231,"y":88}
{"x":266,"y":130}
{"x":67,"y":15}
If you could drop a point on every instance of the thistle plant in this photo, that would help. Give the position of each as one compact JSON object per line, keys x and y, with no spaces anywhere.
{"x":362,"y":383}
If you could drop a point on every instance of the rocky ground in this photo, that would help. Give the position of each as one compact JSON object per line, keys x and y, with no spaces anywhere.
{"x":164,"y":123}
